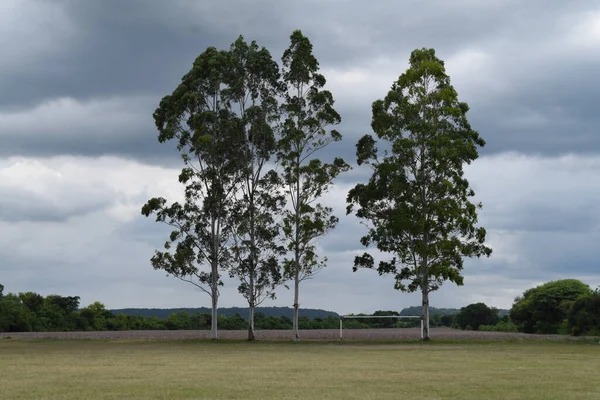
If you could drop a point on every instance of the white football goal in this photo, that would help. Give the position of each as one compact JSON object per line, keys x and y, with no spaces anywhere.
{"x":342,"y":317}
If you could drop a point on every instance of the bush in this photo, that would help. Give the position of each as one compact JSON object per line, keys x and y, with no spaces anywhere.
{"x":502,"y":326}
{"x":235,"y":322}
{"x":448,"y":320}
{"x":544,"y":308}
{"x":475,"y":315}
{"x":14,"y":315}
{"x":584,"y":315}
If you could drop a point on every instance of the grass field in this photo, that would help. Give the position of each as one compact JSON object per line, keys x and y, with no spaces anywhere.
{"x":78,"y":369}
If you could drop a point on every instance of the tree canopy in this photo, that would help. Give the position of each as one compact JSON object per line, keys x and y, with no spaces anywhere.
{"x":475,"y":315}
{"x":417,"y":201}
{"x":198,"y":116}
{"x":308,"y":110}
{"x":253,"y":84}
{"x":543,"y":309}
{"x":234,"y":116}
{"x":584,"y":315}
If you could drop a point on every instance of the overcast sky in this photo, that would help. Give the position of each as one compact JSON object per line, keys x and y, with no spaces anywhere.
{"x":79,"y":81}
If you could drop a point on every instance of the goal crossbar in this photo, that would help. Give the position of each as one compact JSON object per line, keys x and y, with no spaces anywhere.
{"x":377,"y":316}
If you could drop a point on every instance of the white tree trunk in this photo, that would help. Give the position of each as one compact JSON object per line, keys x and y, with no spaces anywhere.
{"x":213,"y":324}
{"x":296,"y":306}
{"x":251,"y":323}
{"x":425,"y":291}
{"x":425,"y":313}
{"x":214,"y":311}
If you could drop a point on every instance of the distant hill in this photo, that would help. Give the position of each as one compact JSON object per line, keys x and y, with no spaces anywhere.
{"x":164,"y":313}
{"x":416,"y":310}
{"x":311,"y":313}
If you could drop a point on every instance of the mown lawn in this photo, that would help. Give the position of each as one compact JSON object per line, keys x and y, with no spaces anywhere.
{"x":55,"y":369}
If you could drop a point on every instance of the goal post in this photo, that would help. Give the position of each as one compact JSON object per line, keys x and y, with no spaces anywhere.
{"x":342,"y":317}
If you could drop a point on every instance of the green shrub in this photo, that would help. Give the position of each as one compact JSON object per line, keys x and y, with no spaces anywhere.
{"x":544,"y":308}
{"x":502,"y":326}
{"x":475,"y":315}
{"x":584,"y":315}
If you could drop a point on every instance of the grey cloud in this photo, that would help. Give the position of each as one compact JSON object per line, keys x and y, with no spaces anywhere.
{"x":541,"y":215}
{"x":123,"y":48}
{"x":140,"y":49}
{"x":144,"y":230}
{"x":72,"y":259}
{"x":109,"y":63}
{"x":554,"y":115}
{"x":19,"y":206}
{"x":115,"y":126}
{"x":543,"y":218}
{"x":50,"y":200}
{"x":563,"y":254}
{"x":537,"y":258}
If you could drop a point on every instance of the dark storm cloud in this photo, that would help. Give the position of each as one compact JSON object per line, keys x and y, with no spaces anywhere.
{"x":133,"y":49}
{"x":553,"y":114}
{"x":103,"y":66}
{"x":130,"y":47}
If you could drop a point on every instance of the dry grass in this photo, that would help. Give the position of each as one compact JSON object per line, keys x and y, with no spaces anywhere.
{"x":60,"y":369}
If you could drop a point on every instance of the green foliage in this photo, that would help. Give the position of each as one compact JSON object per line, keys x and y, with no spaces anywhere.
{"x":475,"y":315}
{"x":447,"y":320}
{"x":307,"y":111}
{"x":263,"y":322}
{"x":33,"y":301}
{"x":384,"y":322}
{"x":178,"y":321}
{"x":253,"y":85}
{"x":416,"y":310}
{"x":544,"y":308}
{"x":56,"y":313}
{"x":51,"y":318}
{"x":96,"y":316}
{"x":14,"y":315}
{"x":66,"y":304}
{"x":584,"y":315}
{"x":199,"y":116}
{"x":163,"y":313}
{"x":417,"y":199}
{"x":502,"y":326}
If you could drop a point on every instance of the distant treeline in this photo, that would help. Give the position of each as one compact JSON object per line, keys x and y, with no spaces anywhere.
{"x":29,"y":311}
{"x":310,"y":313}
{"x":277,"y":312}
{"x":563,"y":307}
{"x":559,"y":307}
{"x":416,"y":310}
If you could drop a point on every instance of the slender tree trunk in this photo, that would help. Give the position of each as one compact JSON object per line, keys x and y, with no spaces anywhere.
{"x":296,"y":306}
{"x":251,"y":306}
{"x":214,"y":287}
{"x":253,"y":262}
{"x":251,"y":323}
{"x":213,"y":322}
{"x":425,"y":298}
{"x":297,"y":251}
{"x":425,"y":292}
{"x":425,"y":314}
